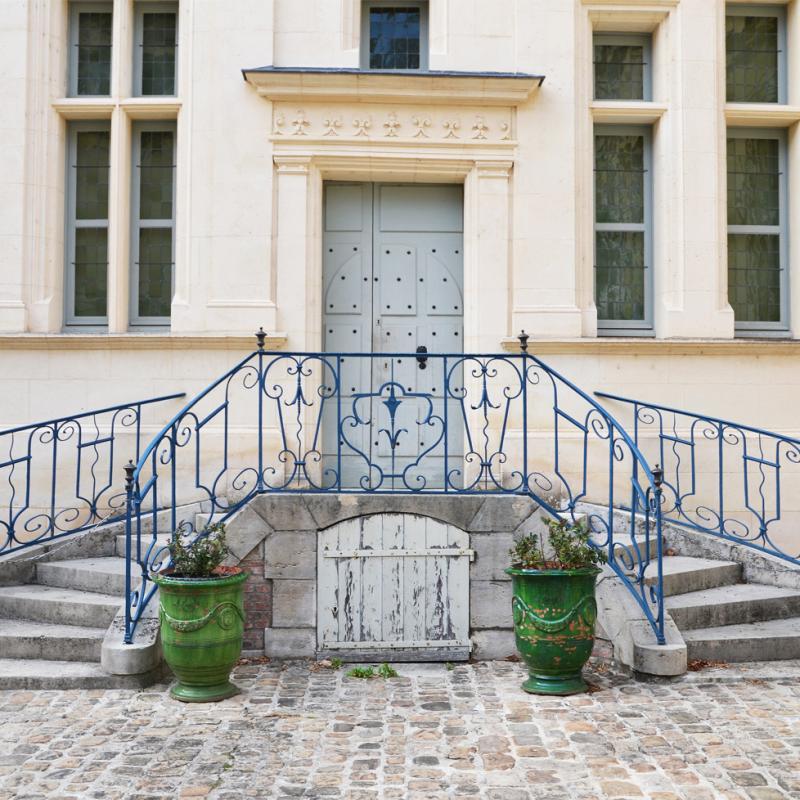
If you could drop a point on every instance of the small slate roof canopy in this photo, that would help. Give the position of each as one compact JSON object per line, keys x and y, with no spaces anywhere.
{"x":420,"y":86}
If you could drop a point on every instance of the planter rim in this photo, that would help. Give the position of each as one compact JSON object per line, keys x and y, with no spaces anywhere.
{"x":221,"y":580}
{"x":518,"y":571}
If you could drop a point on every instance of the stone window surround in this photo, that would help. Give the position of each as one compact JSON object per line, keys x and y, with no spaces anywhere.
{"x":688,"y":294}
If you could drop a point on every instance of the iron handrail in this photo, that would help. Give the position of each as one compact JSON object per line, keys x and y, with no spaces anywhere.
{"x":27,"y":462}
{"x":302,"y":388}
{"x":741,"y":508}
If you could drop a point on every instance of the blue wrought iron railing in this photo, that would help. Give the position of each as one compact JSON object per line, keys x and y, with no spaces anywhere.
{"x":722,"y":477}
{"x":63,"y":476}
{"x":415,"y":423}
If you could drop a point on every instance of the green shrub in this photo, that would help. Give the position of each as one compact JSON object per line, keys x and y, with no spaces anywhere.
{"x":570,"y":544}
{"x":200,"y":558}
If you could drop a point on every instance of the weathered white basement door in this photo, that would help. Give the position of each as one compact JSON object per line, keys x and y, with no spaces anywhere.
{"x":393,"y":587}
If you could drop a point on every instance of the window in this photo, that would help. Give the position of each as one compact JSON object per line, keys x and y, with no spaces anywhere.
{"x":622,"y":67}
{"x":394,"y":35}
{"x":757,"y":240}
{"x":623,"y":229}
{"x":90,"y":49}
{"x":87,"y":223}
{"x":755,"y":38}
{"x":153,"y":229}
{"x":155,"y":49}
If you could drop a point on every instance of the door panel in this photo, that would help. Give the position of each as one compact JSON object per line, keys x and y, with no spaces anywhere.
{"x":408,"y":295}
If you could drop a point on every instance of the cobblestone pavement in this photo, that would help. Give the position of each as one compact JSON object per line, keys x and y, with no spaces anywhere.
{"x":433,"y":732}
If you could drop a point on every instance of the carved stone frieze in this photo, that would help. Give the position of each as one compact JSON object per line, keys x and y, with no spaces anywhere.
{"x":399,"y":123}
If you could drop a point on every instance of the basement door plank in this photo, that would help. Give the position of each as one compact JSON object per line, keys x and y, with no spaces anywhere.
{"x":414,"y":610}
{"x":458,"y":575}
{"x":371,"y":580}
{"x":393,"y":579}
{"x":349,"y":582}
{"x":437,"y":611}
{"x":327,"y":588}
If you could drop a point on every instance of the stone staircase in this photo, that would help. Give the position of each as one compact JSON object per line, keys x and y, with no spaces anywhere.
{"x":52,"y":627}
{"x":724,"y":618}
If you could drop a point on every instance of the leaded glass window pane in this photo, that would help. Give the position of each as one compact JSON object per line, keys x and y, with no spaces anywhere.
{"x":754,"y":182}
{"x":91,"y":272}
{"x":752,"y":53}
{"x":619,"y":178}
{"x":620,"y":275}
{"x":156,"y":179}
{"x":91,"y":175}
{"x":619,"y":72}
{"x":94,"y":53}
{"x":394,"y":37}
{"x":754,"y":277}
{"x":159,"y":32}
{"x":155,"y":272}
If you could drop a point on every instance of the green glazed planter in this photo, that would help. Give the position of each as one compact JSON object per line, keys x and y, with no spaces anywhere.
{"x":554,"y":614}
{"x":202,"y":623}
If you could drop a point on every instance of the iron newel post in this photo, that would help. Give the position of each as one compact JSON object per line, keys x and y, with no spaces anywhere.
{"x":523,"y":340}
{"x":260,"y":338}
{"x":130,"y":468}
{"x":658,"y":481}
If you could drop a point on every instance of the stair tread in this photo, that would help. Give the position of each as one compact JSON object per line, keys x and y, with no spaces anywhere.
{"x":35,"y":591}
{"x":735,"y":593}
{"x":753,"y":630}
{"x":673,"y":565}
{"x":40,"y":668}
{"x":109,"y":564}
{"x":51,"y":630}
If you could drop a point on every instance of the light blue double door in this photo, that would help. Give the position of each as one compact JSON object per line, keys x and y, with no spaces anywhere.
{"x":393,"y":284}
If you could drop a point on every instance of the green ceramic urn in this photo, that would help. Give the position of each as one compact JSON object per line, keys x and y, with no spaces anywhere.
{"x":554,"y":615}
{"x":202,"y":623}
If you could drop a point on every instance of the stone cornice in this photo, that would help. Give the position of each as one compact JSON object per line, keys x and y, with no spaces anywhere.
{"x":363,"y":86}
{"x":631,"y":346}
{"x":135,"y":341}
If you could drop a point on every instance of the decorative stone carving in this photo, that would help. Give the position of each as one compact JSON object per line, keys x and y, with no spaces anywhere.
{"x":451,"y":126}
{"x":391,"y":125}
{"x":300,"y":123}
{"x":362,"y":126}
{"x":480,"y":128}
{"x":421,"y":124}
{"x":396,"y":123}
{"x":332,"y":124}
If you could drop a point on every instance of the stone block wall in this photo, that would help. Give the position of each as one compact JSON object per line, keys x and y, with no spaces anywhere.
{"x":275,"y":538}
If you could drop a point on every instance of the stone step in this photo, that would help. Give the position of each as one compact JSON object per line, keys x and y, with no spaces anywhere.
{"x":739,"y":604}
{"x":102,"y":575}
{"x":684,"y":574}
{"x":161,"y":539}
{"x":39,"y":674}
{"x":25,"y":639}
{"x":775,"y":640}
{"x":62,"y":606}
{"x":640,"y":548}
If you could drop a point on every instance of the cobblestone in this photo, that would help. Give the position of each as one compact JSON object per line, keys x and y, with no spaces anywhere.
{"x":465,"y":732}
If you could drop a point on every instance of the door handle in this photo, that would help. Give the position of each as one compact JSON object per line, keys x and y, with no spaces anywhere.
{"x":422,"y":360}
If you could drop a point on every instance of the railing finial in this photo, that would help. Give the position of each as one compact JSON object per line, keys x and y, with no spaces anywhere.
{"x":260,"y":337}
{"x":658,"y":476}
{"x":130,"y":467}
{"x":523,"y":341}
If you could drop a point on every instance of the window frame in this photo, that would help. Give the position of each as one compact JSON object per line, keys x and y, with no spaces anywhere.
{"x":139,"y":127}
{"x":645,"y":326}
{"x":424,"y":46}
{"x":780,"y":328}
{"x":72,"y":224}
{"x":625,"y":40}
{"x":141,"y":8}
{"x":76,"y":8}
{"x":779,"y":11}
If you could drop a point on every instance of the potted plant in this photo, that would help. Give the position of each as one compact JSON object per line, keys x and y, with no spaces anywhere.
{"x":202,"y":616}
{"x":554,"y":607}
